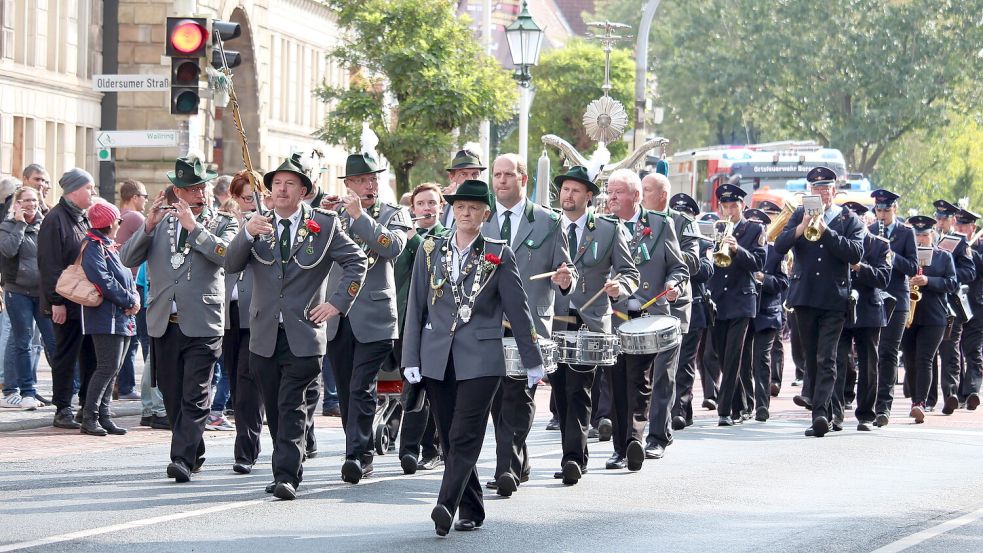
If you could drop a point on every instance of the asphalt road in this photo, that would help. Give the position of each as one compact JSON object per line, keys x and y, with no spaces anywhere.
{"x":755,"y":487}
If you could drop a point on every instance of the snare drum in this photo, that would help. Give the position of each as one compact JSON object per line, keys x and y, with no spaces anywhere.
{"x":513,"y":363}
{"x":582,"y":347}
{"x":649,"y":334}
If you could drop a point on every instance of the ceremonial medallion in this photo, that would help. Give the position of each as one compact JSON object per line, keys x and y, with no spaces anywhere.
{"x":464,"y":312}
{"x":177,"y":260}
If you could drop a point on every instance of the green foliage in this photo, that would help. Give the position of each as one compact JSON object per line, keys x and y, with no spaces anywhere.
{"x":434,"y":74}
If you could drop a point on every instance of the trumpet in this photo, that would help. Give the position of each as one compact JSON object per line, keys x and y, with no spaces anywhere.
{"x":814,"y":232}
{"x":721,"y":257}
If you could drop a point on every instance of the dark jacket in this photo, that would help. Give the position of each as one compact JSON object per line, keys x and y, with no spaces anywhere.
{"x":869,"y":281}
{"x":404,"y":268}
{"x":115,"y":283}
{"x":976,"y":287}
{"x":933,"y":309}
{"x":903,"y":265}
{"x":59,"y":240}
{"x":700,"y":317}
{"x":771,"y":313}
{"x":19,"y":248}
{"x":732,"y":288}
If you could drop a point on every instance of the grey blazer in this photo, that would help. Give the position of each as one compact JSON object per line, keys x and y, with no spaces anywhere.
{"x":197,"y":286}
{"x":539,"y":246}
{"x":657,"y":257}
{"x":689,"y":246}
{"x":291,"y":289}
{"x":601,"y":254}
{"x":244,"y":280}
{"x":373,"y":316}
{"x":476,"y":346}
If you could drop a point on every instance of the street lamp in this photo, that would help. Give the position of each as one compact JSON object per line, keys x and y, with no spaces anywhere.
{"x":525,"y":41}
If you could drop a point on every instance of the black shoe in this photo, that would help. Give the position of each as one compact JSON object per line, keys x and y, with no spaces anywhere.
{"x":655,"y":451}
{"x":802,"y":401}
{"x":285,"y":491}
{"x":492,"y":484}
{"x":65,"y":418}
{"x":507,"y":484}
{"x":553,"y":424}
{"x":110,"y":426}
{"x":837,"y":426}
{"x":571,"y":473}
{"x":709,"y":405}
{"x":242,"y":468}
{"x":592,"y":433}
{"x":367,"y":468}
{"x":199,"y":462}
{"x":160,"y":423}
{"x":428,"y":463}
{"x":882,"y":419}
{"x":310,"y":454}
{"x":409,"y":463}
{"x":972,"y":402}
{"x":333,"y":411}
{"x":271,"y":486}
{"x":441,"y":520}
{"x":145,"y":420}
{"x":678,"y":423}
{"x":634,"y":456}
{"x":775,"y":389}
{"x":725,"y":421}
{"x":604,"y":430}
{"x":820,"y":426}
{"x":865,"y":427}
{"x":92,"y":428}
{"x":951,"y":404}
{"x":467,"y":525}
{"x":78,"y":415}
{"x":351,"y":471}
{"x":615,"y":461}
{"x":179,"y":472}
{"x":761,"y":414}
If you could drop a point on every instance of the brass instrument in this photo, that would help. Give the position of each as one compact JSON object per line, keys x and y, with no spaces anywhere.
{"x":814,"y":232}
{"x":721,"y":257}
{"x":780,"y":220}
{"x":915,"y":295}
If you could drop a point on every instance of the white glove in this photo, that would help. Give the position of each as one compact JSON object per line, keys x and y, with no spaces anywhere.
{"x":413,"y":375}
{"x":534,"y":374}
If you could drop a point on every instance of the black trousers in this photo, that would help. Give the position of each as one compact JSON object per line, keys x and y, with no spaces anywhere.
{"x":461,"y":409}
{"x":761,"y":365}
{"x":286,"y":380}
{"x":572,"y":388}
{"x":686,"y":374}
{"x":744,"y":393}
{"x":183,"y":367}
{"x":71,"y":347}
{"x":312,"y":398}
{"x":631,"y":391}
{"x":778,"y":357}
{"x":247,"y":390}
{"x":888,"y":348}
{"x":950,"y":358}
{"x":663,"y":378}
{"x":418,"y":434}
{"x":920,"y":344}
{"x":512,"y":411}
{"x":728,"y":342}
{"x":356,"y":367}
{"x":864,"y":341}
{"x":601,"y":400}
{"x":708,"y":364}
{"x":972,"y":346}
{"x":795,"y":343}
{"x":819,"y":330}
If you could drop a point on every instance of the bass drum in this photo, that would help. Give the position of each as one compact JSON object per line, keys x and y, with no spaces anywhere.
{"x":649,"y":334}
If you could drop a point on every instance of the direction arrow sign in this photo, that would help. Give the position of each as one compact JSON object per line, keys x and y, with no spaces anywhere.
{"x":136,"y":139}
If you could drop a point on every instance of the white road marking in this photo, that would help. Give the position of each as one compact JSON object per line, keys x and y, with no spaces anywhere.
{"x":929,"y":533}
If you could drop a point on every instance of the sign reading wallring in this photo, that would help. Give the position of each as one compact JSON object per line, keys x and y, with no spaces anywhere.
{"x":130,"y":83}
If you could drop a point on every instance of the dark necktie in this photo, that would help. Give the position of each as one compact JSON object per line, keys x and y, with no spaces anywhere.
{"x":572,"y":237}
{"x":182,"y":239}
{"x":631,"y":227}
{"x":285,"y":240}
{"x":507,"y":228}
{"x":422,"y":232}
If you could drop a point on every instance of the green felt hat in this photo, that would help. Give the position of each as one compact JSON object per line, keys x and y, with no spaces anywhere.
{"x":289,"y":166}
{"x":474,"y":190}
{"x":189,"y":171}
{"x":466,"y":159}
{"x":579,"y":174}
{"x":361,"y":164}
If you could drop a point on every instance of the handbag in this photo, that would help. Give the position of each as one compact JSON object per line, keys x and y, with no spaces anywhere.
{"x":75,"y":287}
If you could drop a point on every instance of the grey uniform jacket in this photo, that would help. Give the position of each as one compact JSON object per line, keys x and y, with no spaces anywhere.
{"x":290,"y":290}
{"x":198,"y":284}
{"x":601,"y":254}
{"x":476,"y":346}
{"x":659,"y":262}
{"x":540,"y":246}
{"x":244,"y":281}
{"x":689,"y":246}
{"x":373,"y":316}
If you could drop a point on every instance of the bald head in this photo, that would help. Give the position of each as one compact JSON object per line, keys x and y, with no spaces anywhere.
{"x":655,"y":191}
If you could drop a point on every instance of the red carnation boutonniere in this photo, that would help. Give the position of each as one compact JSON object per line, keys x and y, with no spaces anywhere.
{"x":313,"y":227}
{"x":493,"y":259}
{"x":646,"y":231}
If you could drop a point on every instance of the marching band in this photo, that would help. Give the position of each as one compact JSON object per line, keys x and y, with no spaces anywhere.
{"x":481,"y":293}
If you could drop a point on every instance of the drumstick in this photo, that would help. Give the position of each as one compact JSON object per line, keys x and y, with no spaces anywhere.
{"x":542,"y":275}
{"x":565,"y":319}
{"x":507,"y":325}
{"x":621,"y":315}
{"x":592,"y":299}
{"x":653,"y":300}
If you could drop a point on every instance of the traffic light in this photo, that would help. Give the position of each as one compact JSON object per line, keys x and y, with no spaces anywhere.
{"x":187,"y":44}
{"x":223,"y":31}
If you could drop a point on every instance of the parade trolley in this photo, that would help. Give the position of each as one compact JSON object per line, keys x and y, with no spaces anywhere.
{"x":388,"y":389}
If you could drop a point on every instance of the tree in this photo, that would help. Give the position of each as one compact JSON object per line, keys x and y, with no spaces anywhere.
{"x":417,"y":73}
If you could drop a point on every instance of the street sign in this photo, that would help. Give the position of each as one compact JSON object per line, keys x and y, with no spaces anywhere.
{"x":136,"y":139}
{"x":130,"y":83}
{"x":104,"y":154}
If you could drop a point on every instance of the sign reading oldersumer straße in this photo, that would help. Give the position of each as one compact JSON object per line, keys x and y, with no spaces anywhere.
{"x":130,"y":83}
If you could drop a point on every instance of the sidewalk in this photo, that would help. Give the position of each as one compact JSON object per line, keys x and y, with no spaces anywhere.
{"x":16,"y":419}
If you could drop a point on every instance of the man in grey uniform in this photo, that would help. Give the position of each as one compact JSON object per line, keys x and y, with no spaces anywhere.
{"x":540,"y":246}
{"x":289,"y":263}
{"x":361,"y":339}
{"x":184,"y":245}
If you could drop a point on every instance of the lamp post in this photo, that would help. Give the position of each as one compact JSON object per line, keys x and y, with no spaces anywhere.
{"x":525,"y":42}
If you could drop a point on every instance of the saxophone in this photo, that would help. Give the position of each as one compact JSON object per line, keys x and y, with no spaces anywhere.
{"x":915,"y":295}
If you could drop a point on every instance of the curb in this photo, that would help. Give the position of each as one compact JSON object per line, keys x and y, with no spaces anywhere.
{"x":120,"y":409}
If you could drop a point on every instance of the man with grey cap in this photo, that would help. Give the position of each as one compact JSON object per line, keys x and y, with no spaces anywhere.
{"x":59,"y":242}
{"x":184,"y":245}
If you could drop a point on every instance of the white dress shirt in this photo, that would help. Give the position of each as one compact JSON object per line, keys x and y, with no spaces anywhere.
{"x":516,"y":215}
{"x":581,"y":223}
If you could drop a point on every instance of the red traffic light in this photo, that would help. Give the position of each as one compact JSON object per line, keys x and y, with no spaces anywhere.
{"x":186,"y":36}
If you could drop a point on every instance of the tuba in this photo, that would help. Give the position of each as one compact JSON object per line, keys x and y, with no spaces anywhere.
{"x":721,"y":257}
{"x":779,"y":222}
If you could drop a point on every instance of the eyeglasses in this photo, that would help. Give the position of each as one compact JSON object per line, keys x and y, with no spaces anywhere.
{"x":144,"y":196}
{"x":119,"y":221}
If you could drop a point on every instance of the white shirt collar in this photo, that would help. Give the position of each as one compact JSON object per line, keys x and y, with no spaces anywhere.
{"x":466,"y":249}
{"x":581,"y":221}
{"x":635,"y":217}
{"x":515,"y":210}
{"x":294,"y":218}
